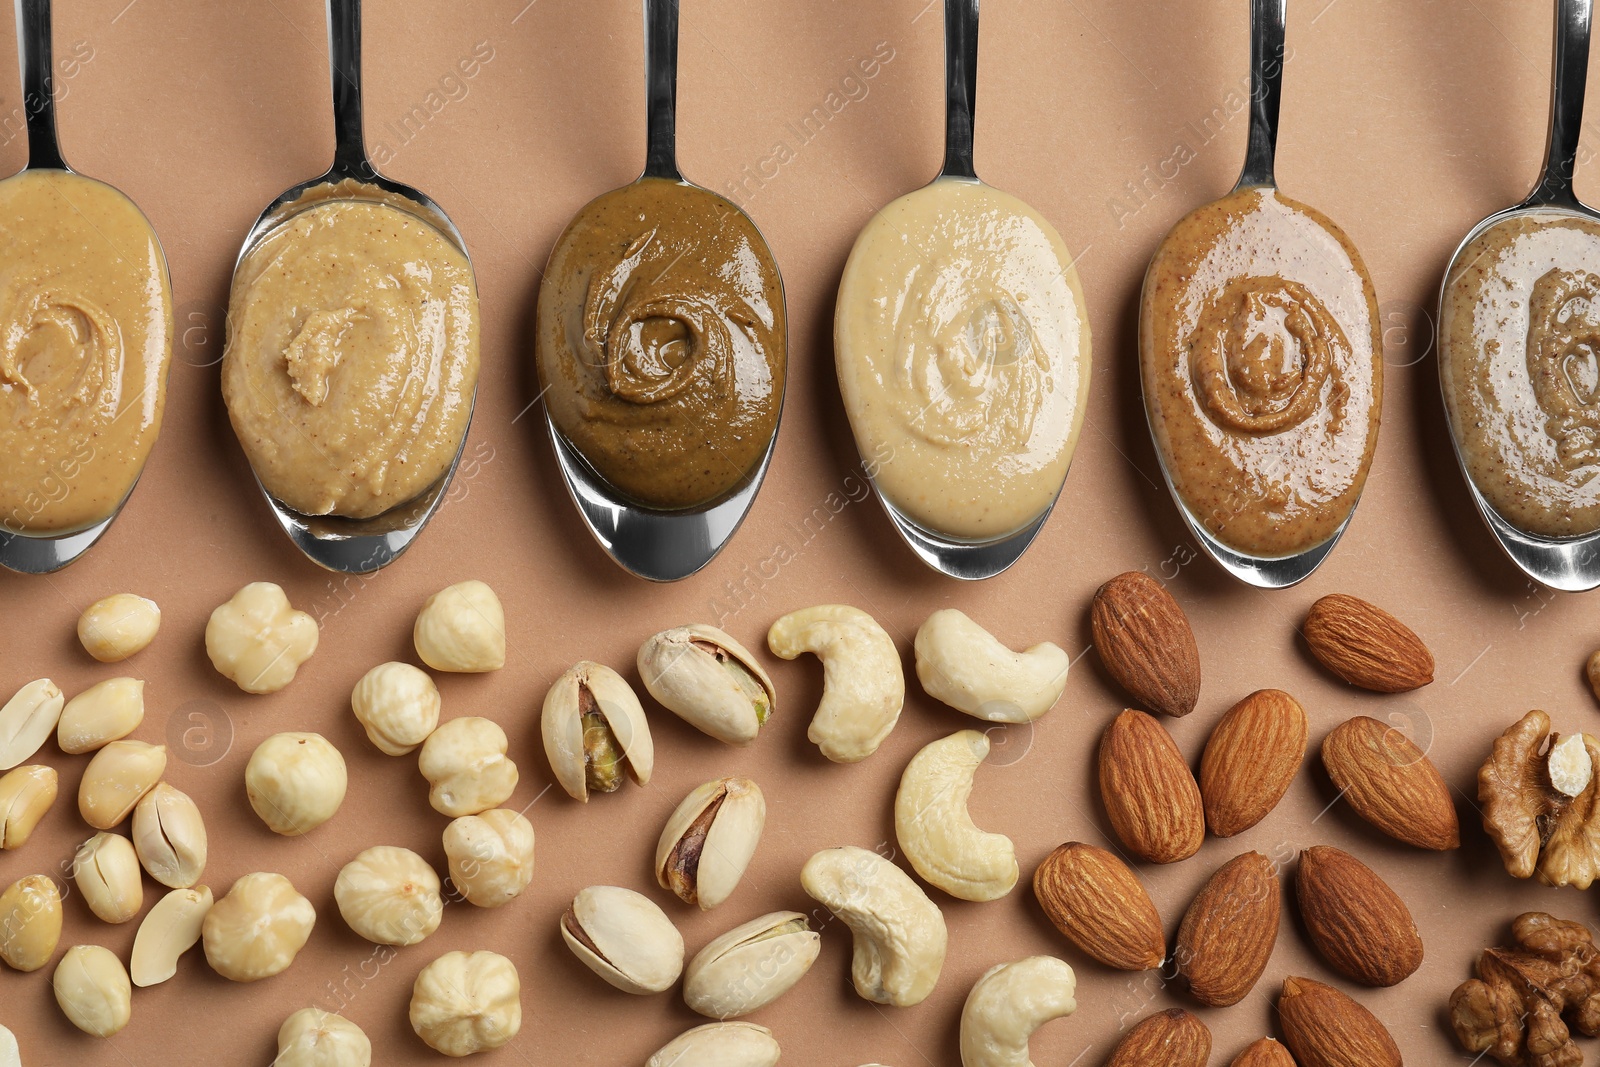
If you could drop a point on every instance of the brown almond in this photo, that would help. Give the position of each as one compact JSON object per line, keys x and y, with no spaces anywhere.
{"x":1361,"y":926}
{"x":1264,"y":1053}
{"x":1251,"y":757}
{"x":1325,"y":1028}
{"x":1228,"y":932}
{"x":1100,"y":906}
{"x":1171,"y":1038}
{"x":1391,"y":783}
{"x":1145,"y":641}
{"x":1149,"y":792}
{"x":1366,"y":646}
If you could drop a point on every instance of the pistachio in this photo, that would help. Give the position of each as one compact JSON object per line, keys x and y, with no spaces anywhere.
{"x":27,"y":720}
{"x":751,"y":965}
{"x":106,"y":870}
{"x":170,"y":837}
{"x":709,"y":839}
{"x":170,"y":929}
{"x":101,"y":714}
{"x":719,"y":1045}
{"x":30,"y":922}
{"x":595,"y":731}
{"x":116,"y":779}
{"x":257,"y":929}
{"x":624,"y":938}
{"x":708,"y":679}
{"x":25,"y":795}
{"x":92,"y":989}
{"x":114,"y":628}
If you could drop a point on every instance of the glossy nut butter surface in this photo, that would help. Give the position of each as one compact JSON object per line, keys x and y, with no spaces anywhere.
{"x":1262,"y":367}
{"x":85,"y":341}
{"x":963,"y":351}
{"x":662,"y":343}
{"x":352,"y":357}
{"x":1519,"y":360}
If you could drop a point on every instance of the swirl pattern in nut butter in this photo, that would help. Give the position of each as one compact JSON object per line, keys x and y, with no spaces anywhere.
{"x":1262,"y":369}
{"x":661,"y":342}
{"x":963,"y":353}
{"x":85,"y":341}
{"x":1519,"y":360}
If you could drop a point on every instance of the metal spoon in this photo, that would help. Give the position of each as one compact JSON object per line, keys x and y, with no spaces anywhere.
{"x":662,"y":546}
{"x":42,"y":553}
{"x":354,"y":546}
{"x":1567,"y":564}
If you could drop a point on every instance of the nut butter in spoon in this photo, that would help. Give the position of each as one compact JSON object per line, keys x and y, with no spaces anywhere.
{"x":1261,"y":360}
{"x":85,"y":339}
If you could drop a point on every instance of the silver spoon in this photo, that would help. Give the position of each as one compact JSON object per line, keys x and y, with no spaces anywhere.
{"x":354,"y":546}
{"x":46,"y":552}
{"x":969,"y":560}
{"x":662,"y":546}
{"x":1568,"y":564}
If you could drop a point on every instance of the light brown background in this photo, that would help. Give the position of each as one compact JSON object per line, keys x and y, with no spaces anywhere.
{"x":1405,"y":121}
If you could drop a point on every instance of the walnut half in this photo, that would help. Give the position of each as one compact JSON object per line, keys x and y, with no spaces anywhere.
{"x":1514,"y":1009}
{"x":1541,"y":803}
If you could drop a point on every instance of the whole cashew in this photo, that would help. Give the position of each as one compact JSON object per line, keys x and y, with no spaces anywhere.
{"x":936,"y":832}
{"x":863,"y":685}
{"x":964,"y":665}
{"x":900,"y":936}
{"x":1008,"y":1004}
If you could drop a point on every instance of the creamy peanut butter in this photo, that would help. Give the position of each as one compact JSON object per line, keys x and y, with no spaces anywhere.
{"x":1262,"y":368}
{"x":662,"y":342}
{"x":962,"y":346}
{"x":352,"y":357}
{"x":1519,"y":359}
{"x":85,"y":341}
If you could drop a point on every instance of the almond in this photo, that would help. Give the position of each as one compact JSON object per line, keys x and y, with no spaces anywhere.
{"x":1250,"y":759}
{"x":1146,"y":643}
{"x":1171,"y":1038}
{"x":1366,"y":646}
{"x":1264,"y":1053}
{"x":1361,"y":926}
{"x":1391,"y":783}
{"x":1149,"y":793}
{"x":1228,"y":932}
{"x":1100,"y":906}
{"x":1325,"y":1028}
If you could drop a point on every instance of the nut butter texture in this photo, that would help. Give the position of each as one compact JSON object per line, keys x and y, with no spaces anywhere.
{"x":352,"y":357}
{"x":962,"y":347}
{"x":1262,"y":364}
{"x":85,"y":341}
{"x":661,"y":342}
{"x":1519,"y":360}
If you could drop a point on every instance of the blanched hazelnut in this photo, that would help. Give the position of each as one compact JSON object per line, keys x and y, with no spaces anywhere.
{"x":312,"y":1037}
{"x":258,"y":640}
{"x":296,"y":782}
{"x":466,"y":766}
{"x":103,"y":713}
{"x":92,"y":987}
{"x":399,"y":706}
{"x":117,"y":778}
{"x":390,"y":896}
{"x":464,"y":1003}
{"x":257,"y":929}
{"x":116,"y":627}
{"x":106,"y":870}
{"x":462,"y":629}
{"x":30,"y":922}
{"x":491,"y":856}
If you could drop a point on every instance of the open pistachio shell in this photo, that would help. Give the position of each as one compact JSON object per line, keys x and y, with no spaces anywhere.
{"x":708,"y":841}
{"x":708,"y":679}
{"x":751,"y":965}
{"x":624,"y":938}
{"x":595,"y":731}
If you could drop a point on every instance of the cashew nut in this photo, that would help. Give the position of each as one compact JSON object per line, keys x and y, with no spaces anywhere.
{"x":863,"y":685}
{"x":1008,"y":1004}
{"x":900,"y":936}
{"x":964,"y":665}
{"x":934,"y":829}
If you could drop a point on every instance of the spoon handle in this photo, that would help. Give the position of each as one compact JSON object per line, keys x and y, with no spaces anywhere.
{"x":960,"y":86}
{"x":1267,"y":28}
{"x":344,"y":62}
{"x":38,"y":87}
{"x":1570,"y":70}
{"x":661,"y":89}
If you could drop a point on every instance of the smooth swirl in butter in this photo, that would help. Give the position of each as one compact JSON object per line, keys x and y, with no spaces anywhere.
{"x":1261,"y":353}
{"x":91,"y":378}
{"x":650,"y":337}
{"x":1564,"y":362}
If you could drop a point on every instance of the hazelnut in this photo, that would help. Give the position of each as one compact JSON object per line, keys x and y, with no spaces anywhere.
{"x":491,"y":856}
{"x":466,"y":767}
{"x":390,"y":896}
{"x":116,"y":627}
{"x":399,"y":706}
{"x":257,"y":929}
{"x":103,"y":713}
{"x":258,"y":640}
{"x":464,"y":1003}
{"x":312,"y":1037}
{"x":93,"y":990}
{"x":295,"y":782}
{"x":462,"y":629}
